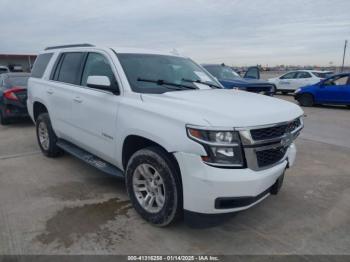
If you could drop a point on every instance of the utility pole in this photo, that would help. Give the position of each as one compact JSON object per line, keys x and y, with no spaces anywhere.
{"x":342,"y":66}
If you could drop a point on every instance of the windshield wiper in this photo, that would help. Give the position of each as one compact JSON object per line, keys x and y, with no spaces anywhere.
{"x":201,"y":82}
{"x":163,"y":82}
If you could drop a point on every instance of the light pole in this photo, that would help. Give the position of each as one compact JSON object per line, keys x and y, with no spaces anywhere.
{"x":342,"y":66}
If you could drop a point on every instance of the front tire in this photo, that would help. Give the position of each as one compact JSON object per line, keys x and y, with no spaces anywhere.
{"x":306,"y":100}
{"x":154,"y":187}
{"x":47,"y":138}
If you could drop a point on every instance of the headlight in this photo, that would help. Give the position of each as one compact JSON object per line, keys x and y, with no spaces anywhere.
{"x":223,"y":147}
{"x":297,"y":91}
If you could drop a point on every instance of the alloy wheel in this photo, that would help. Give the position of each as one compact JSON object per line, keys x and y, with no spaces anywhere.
{"x":149,"y":188}
{"x":44,"y":136}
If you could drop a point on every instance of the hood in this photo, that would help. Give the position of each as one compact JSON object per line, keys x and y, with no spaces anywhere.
{"x":220,"y":107}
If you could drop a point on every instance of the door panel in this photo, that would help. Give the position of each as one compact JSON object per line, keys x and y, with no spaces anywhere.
{"x":347,"y":94}
{"x":303,"y":79}
{"x":344,"y":90}
{"x":94,"y":111}
{"x":285,"y":82}
{"x":328,"y":94}
{"x":334,"y":90}
{"x":61,"y":90}
{"x":59,"y":97}
{"x":94,"y":120}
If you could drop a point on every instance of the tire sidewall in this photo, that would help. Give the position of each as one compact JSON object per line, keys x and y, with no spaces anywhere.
{"x":159,"y":161}
{"x":52,"y":150}
{"x":306,"y":100}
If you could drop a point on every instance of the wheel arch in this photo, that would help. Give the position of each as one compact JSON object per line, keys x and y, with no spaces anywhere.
{"x":133,"y":143}
{"x":38,"y":108}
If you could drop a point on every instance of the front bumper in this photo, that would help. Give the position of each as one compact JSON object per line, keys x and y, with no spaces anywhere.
{"x":203,"y":184}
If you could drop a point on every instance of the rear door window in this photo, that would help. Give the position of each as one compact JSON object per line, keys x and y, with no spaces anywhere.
{"x":40,"y":65}
{"x":70,"y":67}
{"x":303,"y":75}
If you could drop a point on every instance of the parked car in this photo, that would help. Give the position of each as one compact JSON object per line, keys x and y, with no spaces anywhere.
{"x":232,"y":80}
{"x":333,"y":90}
{"x":4,"y":69}
{"x":160,"y":122}
{"x":293,"y":80}
{"x":16,"y":68}
{"x":13,"y":96}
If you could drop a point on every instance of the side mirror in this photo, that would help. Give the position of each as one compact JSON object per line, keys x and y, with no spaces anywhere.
{"x":100,"y":82}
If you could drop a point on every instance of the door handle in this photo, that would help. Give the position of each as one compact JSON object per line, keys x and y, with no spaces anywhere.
{"x":50,"y":92}
{"x":78,"y":100}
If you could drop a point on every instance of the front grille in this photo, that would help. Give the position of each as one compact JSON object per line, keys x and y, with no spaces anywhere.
{"x":270,"y":156}
{"x":275,"y":131}
{"x":293,"y":125}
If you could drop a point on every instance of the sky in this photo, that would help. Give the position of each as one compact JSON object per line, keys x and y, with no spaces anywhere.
{"x":236,"y":32}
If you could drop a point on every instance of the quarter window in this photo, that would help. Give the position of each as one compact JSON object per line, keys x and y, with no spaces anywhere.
{"x":40,"y":65}
{"x":98,"y":65}
{"x":70,"y":68}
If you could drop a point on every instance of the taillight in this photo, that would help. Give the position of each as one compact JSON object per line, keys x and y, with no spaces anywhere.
{"x":11,"y":93}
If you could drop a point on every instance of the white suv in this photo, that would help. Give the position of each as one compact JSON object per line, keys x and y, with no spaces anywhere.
{"x":160,"y":121}
{"x":293,"y":80}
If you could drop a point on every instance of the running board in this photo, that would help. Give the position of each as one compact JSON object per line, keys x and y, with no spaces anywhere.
{"x":90,"y":158}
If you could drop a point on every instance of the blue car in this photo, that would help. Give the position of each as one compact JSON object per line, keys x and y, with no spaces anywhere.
{"x":232,"y":80}
{"x":332,"y":90}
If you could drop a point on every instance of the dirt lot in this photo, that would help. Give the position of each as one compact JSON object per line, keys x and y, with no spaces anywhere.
{"x":63,"y":206}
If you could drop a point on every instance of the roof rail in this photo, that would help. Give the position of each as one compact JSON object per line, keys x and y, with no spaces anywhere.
{"x":68,"y":46}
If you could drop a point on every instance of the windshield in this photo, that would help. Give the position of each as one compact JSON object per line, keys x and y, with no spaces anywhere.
{"x":223,"y":72}
{"x":150,"y":73}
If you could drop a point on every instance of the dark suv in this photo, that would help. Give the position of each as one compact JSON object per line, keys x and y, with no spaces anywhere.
{"x":232,"y":80}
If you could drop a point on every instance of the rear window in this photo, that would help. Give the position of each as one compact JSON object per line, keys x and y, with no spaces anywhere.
{"x":69,"y":70}
{"x":40,"y":65}
{"x":322,"y":74}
